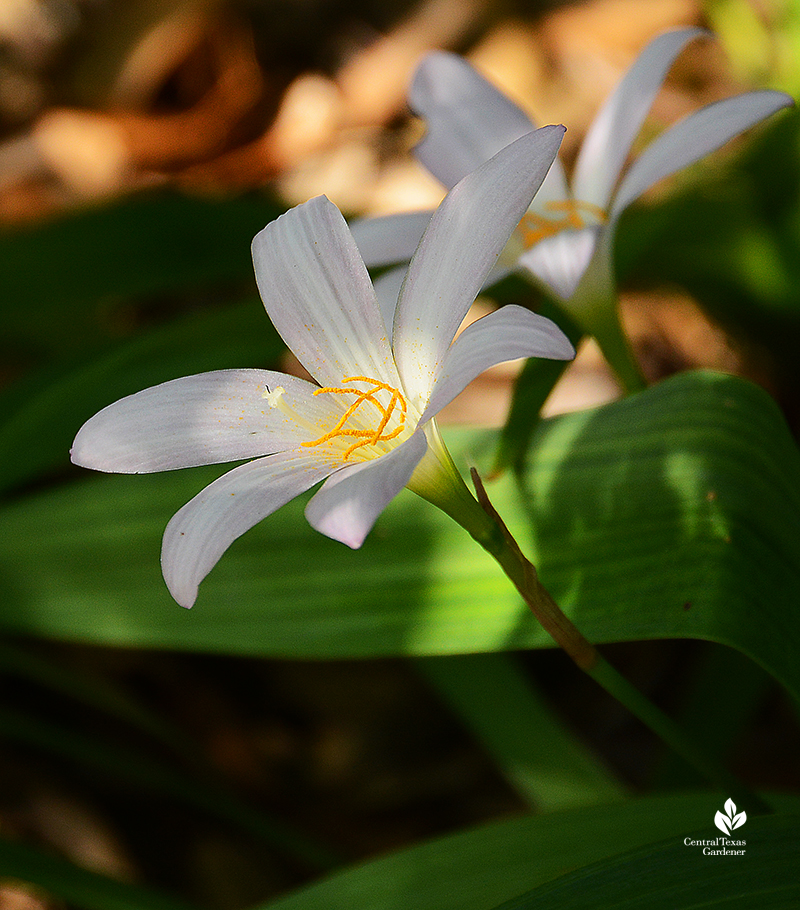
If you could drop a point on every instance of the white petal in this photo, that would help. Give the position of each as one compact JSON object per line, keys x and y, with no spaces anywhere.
{"x":351,"y":500}
{"x":506,"y":334}
{"x":317,"y":292}
{"x":461,"y":244}
{"x":693,"y":137}
{"x":389,"y":239}
{"x":560,"y":261}
{"x":387,"y":290}
{"x":204,"y":419}
{"x":553,"y":189}
{"x":468,"y":120}
{"x":611,"y":135}
{"x":207,"y":525}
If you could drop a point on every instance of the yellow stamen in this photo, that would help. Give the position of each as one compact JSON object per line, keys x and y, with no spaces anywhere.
{"x":535,"y":227}
{"x":396,"y":407}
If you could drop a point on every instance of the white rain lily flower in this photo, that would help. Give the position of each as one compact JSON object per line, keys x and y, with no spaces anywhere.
{"x":565,"y":239}
{"x":365,"y":426}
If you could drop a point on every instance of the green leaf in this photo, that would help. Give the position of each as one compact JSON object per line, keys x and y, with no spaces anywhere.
{"x":477,"y":869}
{"x":62,"y":282}
{"x":540,"y":757}
{"x":42,"y":413}
{"x":718,"y":724}
{"x":670,"y":514}
{"x":79,"y":887}
{"x":673,"y":874}
{"x":532,"y":388}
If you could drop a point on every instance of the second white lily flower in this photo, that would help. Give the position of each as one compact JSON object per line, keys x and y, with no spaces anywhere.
{"x":565,"y":239}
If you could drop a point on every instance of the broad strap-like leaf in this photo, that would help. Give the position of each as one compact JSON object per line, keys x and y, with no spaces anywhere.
{"x":481,"y":868}
{"x":670,"y":514}
{"x":675,"y":873}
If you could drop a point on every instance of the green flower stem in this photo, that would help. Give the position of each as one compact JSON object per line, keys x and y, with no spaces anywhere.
{"x":613,"y":342}
{"x":480,"y":519}
{"x":595,"y":308}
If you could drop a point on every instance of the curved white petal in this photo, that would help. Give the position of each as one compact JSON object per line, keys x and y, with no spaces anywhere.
{"x":506,"y":334}
{"x":389,"y":239}
{"x":693,"y":137}
{"x":560,"y":261}
{"x":207,"y":525}
{"x":611,"y":135}
{"x":351,"y":500}
{"x":317,"y":292}
{"x":204,"y":419}
{"x":553,"y":189}
{"x":461,"y":244}
{"x":468,"y":120}
{"x":387,"y":290}
{"x":500,"y":270}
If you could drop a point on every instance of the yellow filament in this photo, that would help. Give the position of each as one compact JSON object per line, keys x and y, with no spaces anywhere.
{"x":535,"y":227}
{"x":364,"y":437}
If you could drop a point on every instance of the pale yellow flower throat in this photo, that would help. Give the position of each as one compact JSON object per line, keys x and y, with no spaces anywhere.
{"x":395,"y":408}
{"x":535,"y":227}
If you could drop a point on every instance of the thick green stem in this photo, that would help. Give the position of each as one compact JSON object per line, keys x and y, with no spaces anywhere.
{"x":613,"y":342}
{"x":484,"y":524}
{"x":595,"y":308}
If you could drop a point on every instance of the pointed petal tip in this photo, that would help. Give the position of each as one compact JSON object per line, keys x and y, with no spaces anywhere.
{"x":348,"y":504}
{"x":341,"y":524}
{"x":185,"y":600}
{"x":179,"y":584}
{"x":316,"y":202}
{"x":349,"y":534}
{"x":88,"y":451}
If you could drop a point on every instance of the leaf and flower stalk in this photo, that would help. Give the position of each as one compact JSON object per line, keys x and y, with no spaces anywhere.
{"x":564,"y":243}
{"x":365,"y":425}
{"x":480,"y":519}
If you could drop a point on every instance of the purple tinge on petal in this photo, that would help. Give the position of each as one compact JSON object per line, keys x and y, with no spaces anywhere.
{"x":349,"y":502}
{"x":467,"y":119}
{"x":507,"y":334}
{"x":207,"y":525}
{"x":560,"y":261}
{"x":204,"y":419}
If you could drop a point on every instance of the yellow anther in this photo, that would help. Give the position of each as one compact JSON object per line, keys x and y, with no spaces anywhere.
{"x":535,"y":227}
{"x":395,"y":406}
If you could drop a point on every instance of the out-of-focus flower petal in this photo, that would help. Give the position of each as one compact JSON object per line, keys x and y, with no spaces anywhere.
{"x":207,"y":525}
{"x":611,"y":135}
{"x":506,"y":334}
{"x":560,"y":261}
{"x":553,"y":189}
{"x":694,"y":137}
{"x":389,"y":239}
{"x":351,"y":500}
{"x":205,"y":419}
{"x":467,"y":119}
{"x":461,"y":244}
{"x":387,"y":290}
{"x":318,"y":295}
